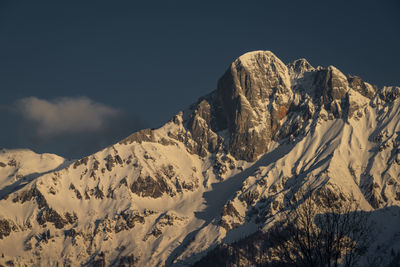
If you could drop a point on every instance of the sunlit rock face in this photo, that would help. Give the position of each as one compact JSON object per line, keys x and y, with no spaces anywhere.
{"x":255,"y":95}
{"x":260,"y":99}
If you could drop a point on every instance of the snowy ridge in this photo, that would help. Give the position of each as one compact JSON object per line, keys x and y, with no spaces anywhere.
{"x":19,"y":166}
{"x":217,"y":172}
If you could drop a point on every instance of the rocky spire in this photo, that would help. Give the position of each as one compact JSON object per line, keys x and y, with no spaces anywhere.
{"x":254,"y":94}
{"x":298,"y":67}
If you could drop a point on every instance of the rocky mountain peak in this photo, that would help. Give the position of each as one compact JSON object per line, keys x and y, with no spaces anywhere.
{"x":298,"y":67}
{"x":260,"y":99}
{"x":254,"y":94}
{"x":262,"y":67}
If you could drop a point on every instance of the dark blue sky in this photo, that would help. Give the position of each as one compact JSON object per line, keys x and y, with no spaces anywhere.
{"x":149,"y":60}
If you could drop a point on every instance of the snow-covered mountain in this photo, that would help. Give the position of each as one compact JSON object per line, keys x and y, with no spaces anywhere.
{"x":215,"y":173}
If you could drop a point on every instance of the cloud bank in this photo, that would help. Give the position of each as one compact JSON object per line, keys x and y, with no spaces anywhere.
{"x":67,"y":115}
{"x":72,"y":127}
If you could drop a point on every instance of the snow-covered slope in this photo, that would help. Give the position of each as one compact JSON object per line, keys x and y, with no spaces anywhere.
{"x":217,"y":172}
{"x":20,"y":166}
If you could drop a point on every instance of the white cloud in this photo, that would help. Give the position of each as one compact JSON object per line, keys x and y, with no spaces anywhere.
{"x":65,"y":115}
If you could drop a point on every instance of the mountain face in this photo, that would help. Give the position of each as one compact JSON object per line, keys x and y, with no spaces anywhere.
{"x":214,"y":174}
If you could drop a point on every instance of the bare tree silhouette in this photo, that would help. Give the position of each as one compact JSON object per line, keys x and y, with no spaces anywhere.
{"x":321,"y":228}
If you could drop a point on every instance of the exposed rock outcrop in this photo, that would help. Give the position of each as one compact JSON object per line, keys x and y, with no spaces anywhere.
{"x":255,"y":95}
{"x":260,"y":99}
{"x":5,"y":228}
{"x":145,"y":135}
